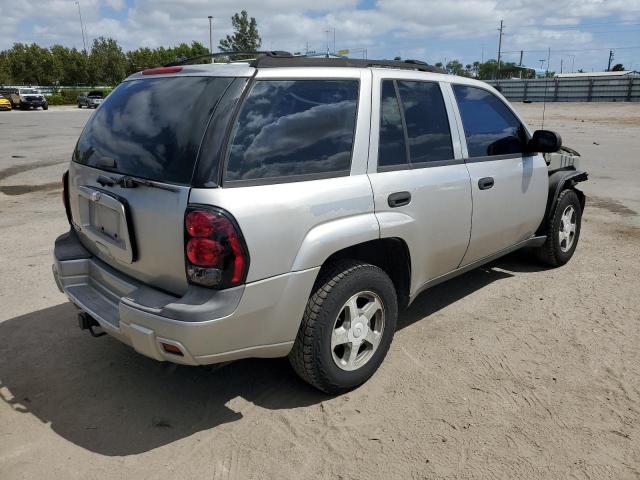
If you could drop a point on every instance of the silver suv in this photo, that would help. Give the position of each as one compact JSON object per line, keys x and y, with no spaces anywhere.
{"x":291,"y":206}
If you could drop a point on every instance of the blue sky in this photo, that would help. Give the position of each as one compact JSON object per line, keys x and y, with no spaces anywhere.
{"x":578,"y":33}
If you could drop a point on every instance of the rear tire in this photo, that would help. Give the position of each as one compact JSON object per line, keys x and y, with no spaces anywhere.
{"x":562,"y":229}
{"x":347,"y":327}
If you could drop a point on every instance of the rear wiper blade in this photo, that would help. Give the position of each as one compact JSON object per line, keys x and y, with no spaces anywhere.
{"x":131,"y":182}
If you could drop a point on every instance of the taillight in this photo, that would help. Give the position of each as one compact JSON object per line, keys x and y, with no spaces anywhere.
{"x":65,"y":195}
{"x":215,"y":252}
{"x":161,"y":70}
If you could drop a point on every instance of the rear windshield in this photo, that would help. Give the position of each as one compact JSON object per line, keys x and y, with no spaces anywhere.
{"x":151,"y":128}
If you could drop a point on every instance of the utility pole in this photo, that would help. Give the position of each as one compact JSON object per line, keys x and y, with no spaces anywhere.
{"x":84,"y":42}
{"x":327,"y":32}
{"x":499,"y":50}
{"x":334,"y":40}
{"x":561,"y":61}
{"x":482,"y":56}
{"x":521,"y":53}
{"x":611,"y":55}
{"x":548,"y":61}
{"x":210,"y":17}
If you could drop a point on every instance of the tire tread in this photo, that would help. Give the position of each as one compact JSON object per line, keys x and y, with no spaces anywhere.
{"x":301,"y":356}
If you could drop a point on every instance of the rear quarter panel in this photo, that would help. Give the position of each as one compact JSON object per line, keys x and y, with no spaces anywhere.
{"x":295,"y":226}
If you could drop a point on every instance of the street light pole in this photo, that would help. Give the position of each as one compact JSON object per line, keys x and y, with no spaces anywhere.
{"x":210,"y":30}
{"x":84,"y":42}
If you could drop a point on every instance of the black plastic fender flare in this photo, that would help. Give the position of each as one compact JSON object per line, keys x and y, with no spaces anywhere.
{"x":560,"y":180}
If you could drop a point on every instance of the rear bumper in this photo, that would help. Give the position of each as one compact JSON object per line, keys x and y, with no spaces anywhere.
{"x":259,"y":319}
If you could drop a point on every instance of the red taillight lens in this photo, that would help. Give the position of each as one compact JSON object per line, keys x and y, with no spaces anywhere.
{"x":216,"y":254}
{"x":200,"y":223}
{"x":161,"y":70}
{"x":204,"y":252}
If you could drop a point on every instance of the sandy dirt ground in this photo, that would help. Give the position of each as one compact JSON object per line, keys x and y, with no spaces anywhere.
{"x":510,"y":371}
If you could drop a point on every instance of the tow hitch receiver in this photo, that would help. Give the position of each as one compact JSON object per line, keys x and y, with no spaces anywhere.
{"x":87,"y":322}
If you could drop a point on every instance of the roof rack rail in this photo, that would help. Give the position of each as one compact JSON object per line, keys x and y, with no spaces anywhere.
{"x":252,"y":55}
{"x":279,"y":58}
{"x":269,"y":61}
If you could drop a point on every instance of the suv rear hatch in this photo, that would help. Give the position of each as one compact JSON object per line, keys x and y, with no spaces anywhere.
{"x":131,"y":172}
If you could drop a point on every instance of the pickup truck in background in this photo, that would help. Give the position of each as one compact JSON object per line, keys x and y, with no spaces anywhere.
{"x":91,"y":99}
{"x":25,"y":98}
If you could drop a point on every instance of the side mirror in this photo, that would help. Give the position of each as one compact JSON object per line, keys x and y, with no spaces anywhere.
{"x":544,"y":141}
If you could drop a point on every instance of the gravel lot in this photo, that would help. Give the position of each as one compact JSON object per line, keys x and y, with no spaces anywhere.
{"x":510,"y":371}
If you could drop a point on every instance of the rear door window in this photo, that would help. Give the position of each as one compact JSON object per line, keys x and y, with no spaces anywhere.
{"x":427,"y":122}
{"x":490,"y":127}
{"x":151,"y":128}
{"x":291,"y":130}
{"x":392,"y":150}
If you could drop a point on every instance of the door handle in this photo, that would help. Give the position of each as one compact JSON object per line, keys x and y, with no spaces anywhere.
{"x":399,"y":199}
{"x":485,"y":183}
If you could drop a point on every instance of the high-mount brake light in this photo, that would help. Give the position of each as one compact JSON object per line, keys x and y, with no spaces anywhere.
{"x":161,"y":70}
{"x":215,"y":252}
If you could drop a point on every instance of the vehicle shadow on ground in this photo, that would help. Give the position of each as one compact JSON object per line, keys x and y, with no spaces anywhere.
{"x":104,"y":397}
{"x":444,"y":294}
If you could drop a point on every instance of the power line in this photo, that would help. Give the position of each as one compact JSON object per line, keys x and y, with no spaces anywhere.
{"x":576,"y":49}
{"x":577,"y":26}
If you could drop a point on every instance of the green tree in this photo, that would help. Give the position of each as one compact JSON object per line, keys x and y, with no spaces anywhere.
{"x":71,"y":65}
{"x":454,"y":67}
{"x":618,"y":67}
{"x":5,"y":73}
{"x":107,"y":62}
{"x":245,"y":37}
{"x":488,"y":69}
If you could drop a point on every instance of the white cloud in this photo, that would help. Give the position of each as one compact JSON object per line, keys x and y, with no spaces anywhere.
{"x":411,"y":28}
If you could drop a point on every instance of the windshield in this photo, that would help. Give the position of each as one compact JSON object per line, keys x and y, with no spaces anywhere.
{"x":29,"y":91}
{"x":151,"y":128}
{"x":96,"y":94}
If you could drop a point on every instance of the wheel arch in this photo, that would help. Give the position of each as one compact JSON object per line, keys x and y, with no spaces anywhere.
{"x":392,"y":255}
{"x":559,"y":181}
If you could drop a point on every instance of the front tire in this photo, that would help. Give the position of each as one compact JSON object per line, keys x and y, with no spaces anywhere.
{"x":347,"y":327}
{"x":562,"y":229}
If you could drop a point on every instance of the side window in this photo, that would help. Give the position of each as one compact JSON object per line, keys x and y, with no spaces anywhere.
{"x":392,"y":149}
{"x":294,"y":127}
{"x":489,"y":126}
{"x":427,"y":123}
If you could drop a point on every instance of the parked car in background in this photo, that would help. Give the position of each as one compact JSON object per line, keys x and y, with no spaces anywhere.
{"x":91,"y":99}
{"x":292,"y":205}
{"x":31,"y":98}
{"x":5,"y":103}
{"x":11,"y":94}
